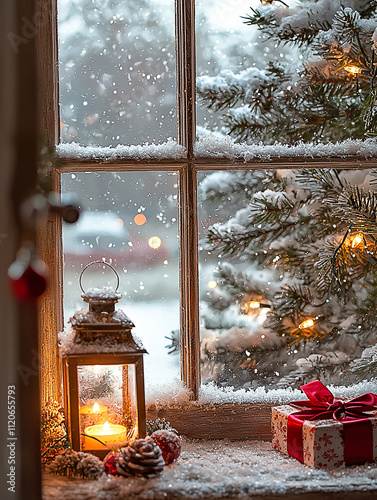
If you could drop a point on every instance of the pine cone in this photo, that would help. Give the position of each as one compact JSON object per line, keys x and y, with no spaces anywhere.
{"x":158,"y":424}
{"x":141,"y":457}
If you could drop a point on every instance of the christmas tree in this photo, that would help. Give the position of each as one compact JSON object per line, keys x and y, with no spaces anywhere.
{"x":294,"y":294}
{"x":321,"y":94}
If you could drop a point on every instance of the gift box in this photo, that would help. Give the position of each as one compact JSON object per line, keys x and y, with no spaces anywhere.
{"x":325,"y":432}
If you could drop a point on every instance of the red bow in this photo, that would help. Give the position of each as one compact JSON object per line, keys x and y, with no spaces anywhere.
{"x":357,"y":427}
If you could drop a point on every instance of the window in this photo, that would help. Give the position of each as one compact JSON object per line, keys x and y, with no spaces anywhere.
{"x":200,"y":161}
{"x":130,"y":220}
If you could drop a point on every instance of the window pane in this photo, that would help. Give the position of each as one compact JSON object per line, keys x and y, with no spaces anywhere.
{"x":288,"y":277}
{"x":128,"y":219}
{"x":117,"y":71}
{"x":286,"y":71}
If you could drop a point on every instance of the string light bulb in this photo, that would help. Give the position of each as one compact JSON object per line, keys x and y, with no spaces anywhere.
{"x":356,"y":240}
{"x":308,"y":323}
{"x":354,"y":70}
{"x":254,"y":304}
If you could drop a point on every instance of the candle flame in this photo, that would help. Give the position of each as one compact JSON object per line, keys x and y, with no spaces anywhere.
{"x":95,"y":408}
{"x":106,"y":428}
{"x":308,"y":323}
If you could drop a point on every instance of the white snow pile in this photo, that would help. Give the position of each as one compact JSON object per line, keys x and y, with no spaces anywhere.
{"x":304,"y":13}
{"x":277,"y":198}
{"x":220,"y":147}
{"x":175,"y":393}
{"x":102,"y":294}
{"x":217,"y":469}
{"x":210,"y":393}
{"x":249,"y":79}
{"x":166,"y":393}
{"x":68,"y":346}
{"x":211,"y":146}
{"x":167,"y":150}
{"x":87,"y":317}
{"x":237,"y":339}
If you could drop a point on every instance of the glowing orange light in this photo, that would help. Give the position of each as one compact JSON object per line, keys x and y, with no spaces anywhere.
{"x":212,"y":284}
{"x":308,"y":323}
{"x":154,"y":242}
{"x":95,"y":408}
{"x":254,"y":304}
{"x":140,"y":219}
{"x":354,"y":70}
{"x":356,"y":240}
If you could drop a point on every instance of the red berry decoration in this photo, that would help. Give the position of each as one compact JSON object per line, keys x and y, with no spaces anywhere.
{"x":111,"y":463}
{"x":28,"y":281}
{"x":169,"y":443}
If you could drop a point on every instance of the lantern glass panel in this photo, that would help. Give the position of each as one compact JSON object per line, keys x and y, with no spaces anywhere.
{"x":108,"y":409}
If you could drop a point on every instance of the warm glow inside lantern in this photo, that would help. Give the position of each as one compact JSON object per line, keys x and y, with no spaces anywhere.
{"x":103,"y":377}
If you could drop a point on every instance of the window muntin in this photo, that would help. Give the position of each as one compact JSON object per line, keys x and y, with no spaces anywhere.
{"x":117,"y":72}
{"x":130,"y":220}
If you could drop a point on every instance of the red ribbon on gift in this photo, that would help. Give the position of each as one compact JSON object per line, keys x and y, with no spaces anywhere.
{"x":357,"y":426}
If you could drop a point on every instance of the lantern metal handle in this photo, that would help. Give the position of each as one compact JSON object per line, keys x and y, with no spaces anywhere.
{"x":98,"y":262}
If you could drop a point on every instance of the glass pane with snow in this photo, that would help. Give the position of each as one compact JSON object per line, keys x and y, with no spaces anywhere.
{"x":128,"y":219}
{"x":286,"y":71}
{"x":117,"y":71}
{"x":288,"y":277}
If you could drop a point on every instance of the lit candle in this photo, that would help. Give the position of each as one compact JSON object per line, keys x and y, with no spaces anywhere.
{"x":91,"y":415}
{"x":108,"y":434}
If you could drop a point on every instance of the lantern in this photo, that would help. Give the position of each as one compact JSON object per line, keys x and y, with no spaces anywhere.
{"x":103,"y":375}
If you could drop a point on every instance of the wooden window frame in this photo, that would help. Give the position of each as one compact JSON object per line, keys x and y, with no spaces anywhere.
{"x":193,"y":420}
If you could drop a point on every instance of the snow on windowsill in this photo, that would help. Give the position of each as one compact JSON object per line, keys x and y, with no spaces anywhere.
{"x":217,"y":146}
{"x":221,"y":469}
{"x":175,"y":393}
{"x":223,"y":147}
{"x":168,"y":150}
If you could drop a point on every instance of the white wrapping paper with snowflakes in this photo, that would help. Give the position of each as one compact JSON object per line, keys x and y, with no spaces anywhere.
{"x":324,"y":432}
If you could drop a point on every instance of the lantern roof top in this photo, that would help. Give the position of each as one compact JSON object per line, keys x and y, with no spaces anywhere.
{"x":102,"y":324}
{"x":105,"y":295}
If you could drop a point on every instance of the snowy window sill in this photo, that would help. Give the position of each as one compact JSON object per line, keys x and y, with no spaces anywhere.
{"x":225,"y":469}
{"x":220,"y":148}
{"x":175,"y":393}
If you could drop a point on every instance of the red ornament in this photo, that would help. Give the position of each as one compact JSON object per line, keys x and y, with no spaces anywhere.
{"x":111,"y":463}
{"x":28,"y":280}
{"x":169,"y":443}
